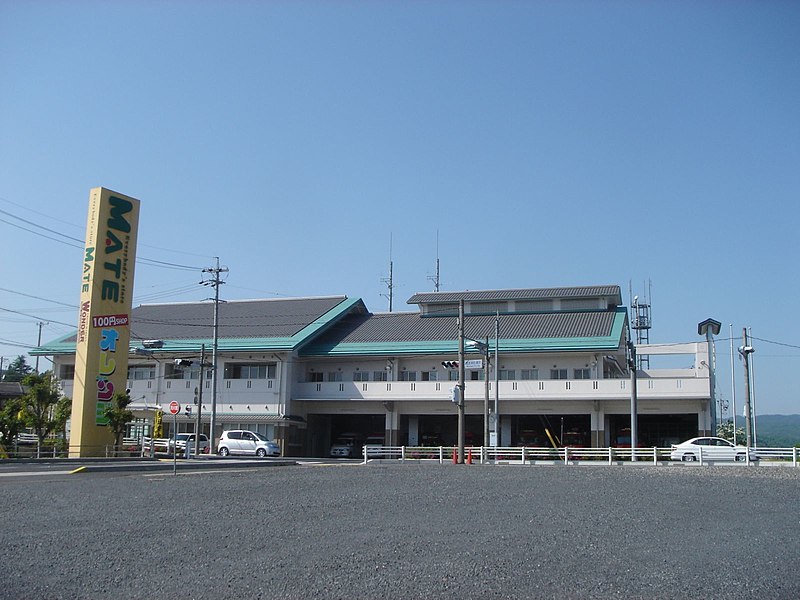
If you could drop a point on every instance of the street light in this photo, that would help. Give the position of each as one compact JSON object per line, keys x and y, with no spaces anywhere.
{"x":198,"y":395}
{"x":483,"y":347}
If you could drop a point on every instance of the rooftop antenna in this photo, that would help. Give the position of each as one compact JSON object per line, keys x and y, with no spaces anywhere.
{"x":641,"y":321}
{"x":435,"y":278}
{"x":388,"y":281}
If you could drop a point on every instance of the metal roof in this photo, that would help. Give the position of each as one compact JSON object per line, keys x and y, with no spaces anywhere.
{"x":595,"y":291}
{"x":407,"y":333}
{"x":243,"y":324}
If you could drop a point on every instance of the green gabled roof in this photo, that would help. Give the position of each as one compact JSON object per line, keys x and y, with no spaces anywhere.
{"x":267,"y":325}
{"x":396,"y":334}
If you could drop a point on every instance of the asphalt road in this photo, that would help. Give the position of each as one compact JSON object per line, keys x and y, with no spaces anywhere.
{"x":404,"y":531}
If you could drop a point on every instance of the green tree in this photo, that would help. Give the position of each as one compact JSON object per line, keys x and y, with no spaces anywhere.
{"x":17,"y":369}
{"x":61,"y":414}
{"x":40,"y":397}
{"x":11,"y":422}
{"x":725,"y":431}
{"x":118,"y":415}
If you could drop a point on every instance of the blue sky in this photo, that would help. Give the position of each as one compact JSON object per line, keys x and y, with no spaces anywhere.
{"x":543,"y":143}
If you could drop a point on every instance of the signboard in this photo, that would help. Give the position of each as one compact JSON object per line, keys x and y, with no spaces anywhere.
{"x":174,"y":408}
{"x":473,"y":364}
{"x":101,"y":350}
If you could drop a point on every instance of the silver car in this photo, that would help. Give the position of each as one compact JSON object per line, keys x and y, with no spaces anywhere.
{"x":240,"y":441}
{"x":181,"y":440}
{"x":710,"y":448}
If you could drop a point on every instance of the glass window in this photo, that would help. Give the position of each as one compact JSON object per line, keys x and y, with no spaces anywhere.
{"x":314,"y":377}
{"x":581,"y":374}
{"x":408,"y":375}
{"x":247,"y":370}
{"x":380,"y":376}
{"x":66,"y":372}
{"x":530,"y":373}
{"x":507,"y":374}
{"x":360,"y":376}
{"x":558,"y":373}
{"x":334,"y":375}
{"x":452,"y":374}
{"x":430,"y":376}
{"x":138,"y":372}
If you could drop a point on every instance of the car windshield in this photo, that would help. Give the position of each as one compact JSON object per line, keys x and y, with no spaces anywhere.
{"x":183,"y":436}
{"x":261,"y":437}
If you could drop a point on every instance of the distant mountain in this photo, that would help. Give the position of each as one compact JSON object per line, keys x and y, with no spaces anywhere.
{"x":775,"y":431}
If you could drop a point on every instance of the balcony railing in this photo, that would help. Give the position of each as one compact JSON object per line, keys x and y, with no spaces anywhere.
{"x":561,"y":389}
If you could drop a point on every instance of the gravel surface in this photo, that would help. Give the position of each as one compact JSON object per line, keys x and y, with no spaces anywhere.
{"x":405,"y":531}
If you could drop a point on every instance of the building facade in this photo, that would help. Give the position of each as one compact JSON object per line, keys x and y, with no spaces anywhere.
{"x":304,"y":371}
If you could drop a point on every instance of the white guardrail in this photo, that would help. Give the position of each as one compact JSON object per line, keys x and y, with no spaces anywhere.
{"x":569,"y":456}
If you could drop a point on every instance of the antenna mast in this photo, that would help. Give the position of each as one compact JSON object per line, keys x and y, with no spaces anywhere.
{"x":388,"y":281}
{"x":641,"y":322}
{"x":435,"y":278}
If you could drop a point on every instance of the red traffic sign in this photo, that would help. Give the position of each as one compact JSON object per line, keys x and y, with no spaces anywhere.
{"x":174,"y":408}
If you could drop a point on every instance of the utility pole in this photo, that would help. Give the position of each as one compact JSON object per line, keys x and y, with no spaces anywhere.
{"x":496,"y":379}
{"x":746,"y":350}
{"x":214,"y":271}
{"x":486,"y":394}
{"x":199,"y":398}
{"x":634,"y":392}
{"x":461,"y":384}
{"x":38,"y":344}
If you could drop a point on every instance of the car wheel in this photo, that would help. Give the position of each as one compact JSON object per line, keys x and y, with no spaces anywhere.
{"x":223,"y":451}
{"x":688,"y":458}
{"x":741,"y":458}
{"x":261,"y":453}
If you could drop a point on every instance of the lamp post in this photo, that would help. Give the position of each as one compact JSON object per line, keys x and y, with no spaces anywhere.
{"x":198,"y":394}
{"x":461,"y":385}
{"x":483,"y":347}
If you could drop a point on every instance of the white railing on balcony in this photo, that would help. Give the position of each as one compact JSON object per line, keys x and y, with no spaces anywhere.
{"x":509,"y":390}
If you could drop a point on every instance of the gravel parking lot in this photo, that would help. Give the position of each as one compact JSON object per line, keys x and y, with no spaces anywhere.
{"x":405,"y":531}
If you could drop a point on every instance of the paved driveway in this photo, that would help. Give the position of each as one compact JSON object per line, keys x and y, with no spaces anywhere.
{"x":404,"y":531}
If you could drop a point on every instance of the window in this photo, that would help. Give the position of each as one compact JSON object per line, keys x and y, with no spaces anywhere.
{"x":580,"y":304}
{"x":249,"y":370}
{"x":360,"y":376}
{"x":581,"y":374}
{"x":430,"y":376}
{"x":380,"y":376}
{"x":66,"y":372}
{"x":452,"y":374}
{"x":408,"y":375}
{"x":534,"y":305}
{"x":530,"y":374}
{"x":507,"y":374}
{"x":558,"y":373}
{"x":488,"y":307}
{"x":334,"y":375}
{"x":138,"y":372}
{"x":314,"y":377}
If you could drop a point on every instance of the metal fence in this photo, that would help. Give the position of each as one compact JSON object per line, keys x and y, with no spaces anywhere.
{"x":570,"y":456}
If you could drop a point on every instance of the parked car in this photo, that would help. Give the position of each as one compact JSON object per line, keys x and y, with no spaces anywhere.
{"x":345,"y":446}
{"x":712,"y":448}
{"x":239,"y":441}
{"x":181,"y":440}
{"x":376,"y":449}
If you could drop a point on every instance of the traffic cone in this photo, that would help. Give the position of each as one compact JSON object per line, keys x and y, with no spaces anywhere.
{"x":455,"y":457}
{"x":469,"y":457}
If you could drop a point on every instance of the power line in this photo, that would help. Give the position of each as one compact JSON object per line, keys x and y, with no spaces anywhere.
{"x":80,"y":243}
{"x":35,"y":317}
{"x":75,"y":306}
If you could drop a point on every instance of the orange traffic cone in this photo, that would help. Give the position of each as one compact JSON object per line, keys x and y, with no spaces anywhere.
{"x":455,"y":457}
{"x":469,"y":457}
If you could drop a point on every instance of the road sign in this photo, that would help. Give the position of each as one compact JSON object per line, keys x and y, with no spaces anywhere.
{"x":473,"y":364}
{"x":174,"y":408}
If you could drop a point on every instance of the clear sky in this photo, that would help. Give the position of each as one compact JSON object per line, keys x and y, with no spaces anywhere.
{"x":544,"y":143}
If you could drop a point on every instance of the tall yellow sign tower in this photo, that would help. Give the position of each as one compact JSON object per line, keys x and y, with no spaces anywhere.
{"x":101,"y":357}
